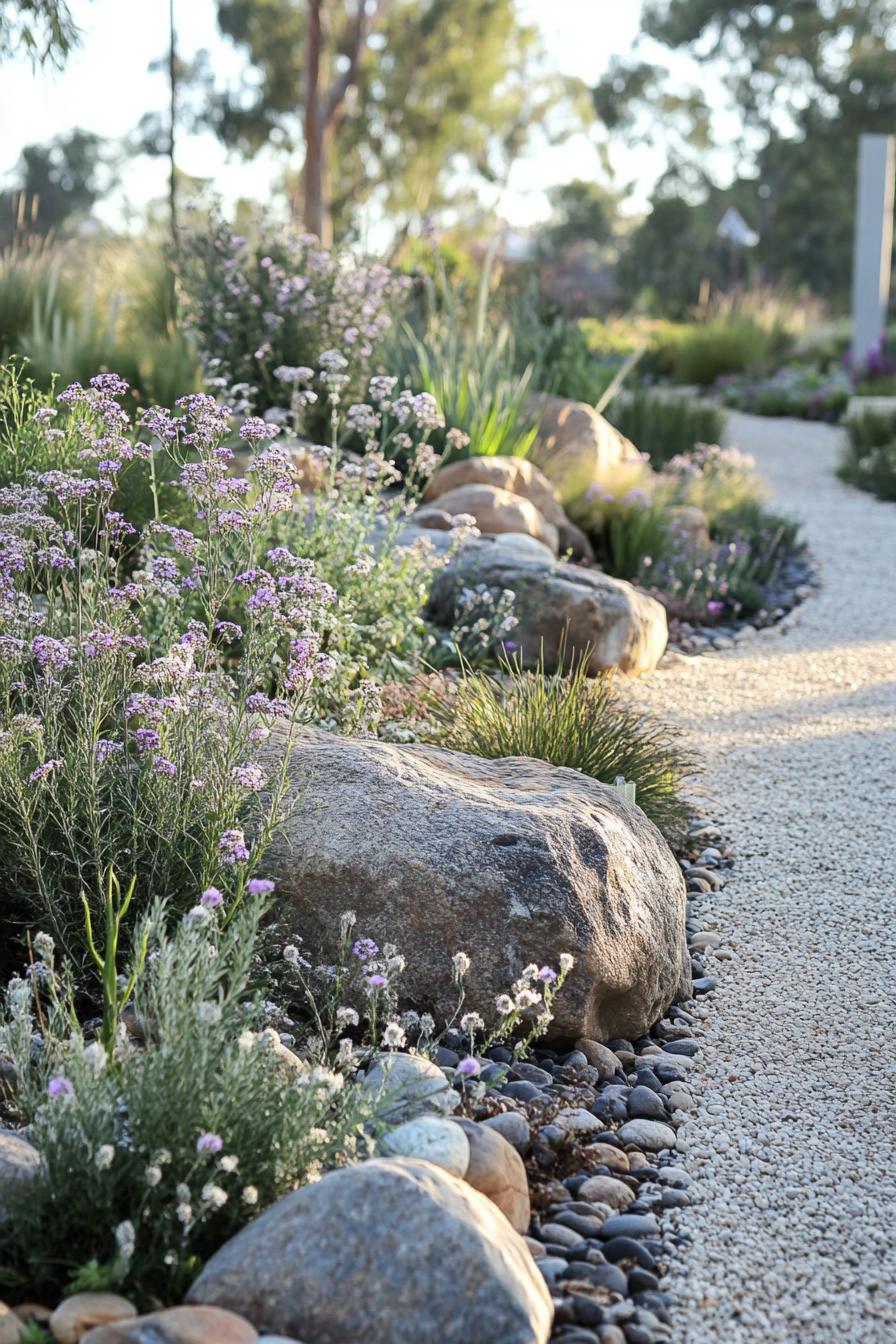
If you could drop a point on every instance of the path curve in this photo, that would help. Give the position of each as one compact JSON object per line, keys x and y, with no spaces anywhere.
{"x":793,"y":1235}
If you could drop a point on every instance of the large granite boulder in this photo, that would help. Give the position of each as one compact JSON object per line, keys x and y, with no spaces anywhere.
{"x":393,"y":1251}
{"x":512,"y":861}
{"x":576,"y":446}
{"x":560,"y":604}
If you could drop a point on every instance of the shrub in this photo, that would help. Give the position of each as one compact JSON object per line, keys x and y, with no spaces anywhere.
{"x":276,"y":300}
{"x":805,"y":393}
{"x":714,"y":480}
{"x":705,"y":351}
{"x":869,"y":456}
{"x":571,"y":720}
{"x":141,"y":1176}
{"x":130,"y":732}
{"x":662,"y":425}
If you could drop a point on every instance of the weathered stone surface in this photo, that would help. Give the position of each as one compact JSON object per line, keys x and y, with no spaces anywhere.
{"x":516,"y":474}
{"x":178,"y":1325}
{"x":576,"y":446}
{"x":10,"y":1325}
{"x":19,"y":1160}
{"x":432,"y":1139}
{"x":79,"y":1313}
{"x":620,"y":625}
{"x":392,"y":1251}
{"x":514,"y":861}
{"x":606,"y":1190}
{"x":498,"y":511}
{"x":496,"y":1170}
{"x":600,"y":1057}
{"x":409,"y":1085}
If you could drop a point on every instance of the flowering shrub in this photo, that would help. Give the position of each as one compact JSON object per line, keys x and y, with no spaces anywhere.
{"x":272,"y":303}
{"x":31,"y":440}
{"x":806,"y":392}
{"x":129,"y":730}
{"x":481,"y":622}
{"x":156,"y":1151}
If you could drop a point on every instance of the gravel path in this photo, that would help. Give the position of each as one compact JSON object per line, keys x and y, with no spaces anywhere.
{"x":794,"y":1235}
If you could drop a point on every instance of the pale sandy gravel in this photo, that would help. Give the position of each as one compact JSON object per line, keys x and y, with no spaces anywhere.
{"x":794,"y":1148}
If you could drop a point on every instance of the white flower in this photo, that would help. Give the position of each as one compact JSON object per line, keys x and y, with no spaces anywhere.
{"x":229,"y":1163}
{"x":105,"y":1156}
{"x":461,"y":963}
{"x":153,"y":1175}
{"x":567,"y":962}
{"x":18,"y":991}
{"x":183,"y":1213}
{"x":504,"y":1004}
{"x":209,"y":1014}
{"x":126,"y":1238}
{"x":346,"y":1051}
{"x":471,"y":1022}
{"x":529,"y":972}
{"x":249,"y":1195}
{"x":526,"y":998}
{"x":94,"y":1056}
{"x":393,"y":1036}
{"x":292,"y":955}
{"x":214,"y":1196}
{"x":427,"y":1024}
{"x":346,"y":1017}
{"x":246,"y":1041}
{"x":44,"y":946}
{"x":347,"y":922}
{"x":162,"y":1157}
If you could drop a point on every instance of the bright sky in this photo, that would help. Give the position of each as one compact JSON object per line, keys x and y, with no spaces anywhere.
{"x":107,"y":87}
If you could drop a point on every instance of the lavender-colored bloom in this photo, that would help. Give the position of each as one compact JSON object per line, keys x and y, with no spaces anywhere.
{"x":209,"y":1143}
{"x":256,"y":430}
{"x":547,"y":974}
{"x":377,"y":981}
{"x":364,"y":949}
{"x":60,"y":1086}
{"x":232,"y":846}
{"x":146,"y":739}
{"x":106,"y":748}
{"x":162,"y":765}
{"x":260,"y":886}
{"x":468,"y":1067}
{"x":211,"y":898}
{"x":47,"y":768}
{"x":249,"y":777}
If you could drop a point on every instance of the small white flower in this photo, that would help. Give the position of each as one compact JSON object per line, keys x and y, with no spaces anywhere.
{"x":346,"y":1017}
{"x":183,"y":1213}
{"x":347,"y":923}
{"x":105,"y":1155}
{"x":504,"y":1004}
{"x":471,"y":1022}
{"x":345,"y":1053}
{"x":427,"y":1024}
{"x":249,"y":1195}
{"x":153,"y":1175}
{"x":461,"y":963}
{"x":567,"y":961}
{"x":182,"y":1191}
{"x":526,"y":998}
{"x":162,"y":1157}
{"x":246,"y":1041}
{"x":529,"y":972}
{"x":126,"y":1239}
{"x":292,"y":955}
{"x":44,"y":946}
{"x":229,"y":1163}
{"x":214,"y":1196}
{"x":393,"y":1036}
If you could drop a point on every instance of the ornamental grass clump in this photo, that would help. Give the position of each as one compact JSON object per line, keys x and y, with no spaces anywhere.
{"x":570,"y":719}
{"x":157,"y":1148}
{"x":129,"y":730}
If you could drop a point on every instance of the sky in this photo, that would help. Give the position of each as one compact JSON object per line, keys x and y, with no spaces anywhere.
{"x":107,"y":87}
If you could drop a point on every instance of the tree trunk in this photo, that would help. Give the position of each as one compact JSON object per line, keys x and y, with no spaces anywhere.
{"x":313,"y":210}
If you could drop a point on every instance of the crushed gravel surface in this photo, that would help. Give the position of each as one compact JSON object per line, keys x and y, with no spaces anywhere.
{"x":793,"y":1232}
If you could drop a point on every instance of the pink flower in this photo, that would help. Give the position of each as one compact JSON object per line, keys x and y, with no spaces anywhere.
{"x":209,"y":1143}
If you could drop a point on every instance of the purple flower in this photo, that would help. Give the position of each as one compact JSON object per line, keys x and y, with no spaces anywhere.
{"x":146,"y":739}
{"x":209,"y":1143}
{"x":547,"y":974}
{"x":468,"y":1067}
{"x":60,"y":1086}
{"x":105,"y":747}
{"x":377,"y":981}
{"x":47,"y":768}
{"x":232,"y":847}
{"x":714,"y":608}
{"x":364,"y":949}
{"x":260,"y":886}
{"x":211,"y":898}
{"x":257,"y":430}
